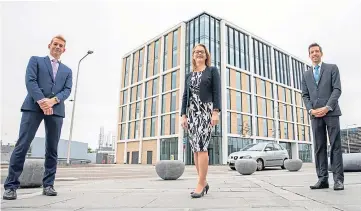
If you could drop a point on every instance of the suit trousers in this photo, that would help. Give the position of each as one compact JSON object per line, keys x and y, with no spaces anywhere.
{"x":29,"y":125}
{"x":319,"y":126}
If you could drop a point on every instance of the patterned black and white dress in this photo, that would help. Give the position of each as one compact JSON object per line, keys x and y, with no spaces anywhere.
{"x":199,"y":117}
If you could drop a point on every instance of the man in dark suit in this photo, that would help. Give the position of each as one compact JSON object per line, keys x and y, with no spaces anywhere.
{"x":48,"y":83}
{"x":321,"y":89}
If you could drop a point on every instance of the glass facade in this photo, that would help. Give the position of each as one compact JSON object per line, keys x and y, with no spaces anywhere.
{"x":205,"y":29}
{"x":237,"y":48}
{"x":304,"y":152}
{"x":262,"y":59}
{"x":262,"y":91}
{"x":169,"y":149}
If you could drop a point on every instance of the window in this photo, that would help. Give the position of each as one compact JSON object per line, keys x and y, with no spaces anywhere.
{"x":238,"y":80}
{"x":282,"y":67}
{"x":148,"y":62}
{"x":156,"y":53}
{"x":155,"y":87}
{"x":162,"y":119}
{"x":126,"y":72}
{"x":165,"y":59}
{"x":169,"y":102}
{"x":175,"y":49}
{"x":140,"y":65}
{"x":235,"y":144}
{"x":239,"y":101}
{"x":172,"y":123}
{"x":169,"y":122}
{"x":124,"y":113}
{"x":154,"y":106}
{"x":169,"y":149}
{"x":132,"y":90}
{"x":174,"y":80}
{"x":152,"y":126}
{"x":164,"y":103}
{"x":173,"y":101}
{"x":265,"y":128}
{"x":236,"y":48}
{"x":133,"y":78}
{"x":122,"y":132}
{"x":227,"y":76}
{"x":125,"y":96}
{"x":137,"y":110}
{"x":262,"y":59}
{"x":139,"y":89}
{"x":239,"y":124}
{"x":298,"y":70}
{"x":304,"y":152}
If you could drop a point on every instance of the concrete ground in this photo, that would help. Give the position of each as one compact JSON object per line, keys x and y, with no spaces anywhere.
{"x":137,"y":187}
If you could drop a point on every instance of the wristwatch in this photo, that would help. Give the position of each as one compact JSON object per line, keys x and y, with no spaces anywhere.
{"x":57,"y":99}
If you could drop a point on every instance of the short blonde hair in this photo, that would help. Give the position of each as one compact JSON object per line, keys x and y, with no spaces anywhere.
{"x":60,"y":37}
{"x":208,"y":59}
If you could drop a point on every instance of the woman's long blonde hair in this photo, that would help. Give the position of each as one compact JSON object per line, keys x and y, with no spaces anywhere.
{"x":208,"y":59}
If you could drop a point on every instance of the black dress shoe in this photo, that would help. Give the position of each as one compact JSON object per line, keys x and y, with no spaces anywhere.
{"x":338,"y":185}
{"x":320,"y":185}
{"x":9,"y":194}
{"x":49,"y":191}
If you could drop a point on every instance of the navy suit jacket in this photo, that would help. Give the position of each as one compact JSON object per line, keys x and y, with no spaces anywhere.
{"x":40,"y":84}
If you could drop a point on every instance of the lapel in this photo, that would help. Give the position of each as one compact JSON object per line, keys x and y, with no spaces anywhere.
{"x":50,"y":69}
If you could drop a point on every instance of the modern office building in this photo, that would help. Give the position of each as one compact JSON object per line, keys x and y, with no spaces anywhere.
{"x":261,"y":97}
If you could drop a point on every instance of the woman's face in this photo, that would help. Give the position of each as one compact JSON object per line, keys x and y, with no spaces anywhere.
{"x":199,"y":55}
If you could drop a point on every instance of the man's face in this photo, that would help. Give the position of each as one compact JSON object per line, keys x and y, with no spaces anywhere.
{"x":315,"y":54}
{"x":56,"y":47}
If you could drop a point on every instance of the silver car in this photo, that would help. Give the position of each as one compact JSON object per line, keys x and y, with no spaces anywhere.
{"x":266,"y":155}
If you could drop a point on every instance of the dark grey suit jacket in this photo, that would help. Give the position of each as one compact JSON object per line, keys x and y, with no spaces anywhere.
{"x":326,"y":92}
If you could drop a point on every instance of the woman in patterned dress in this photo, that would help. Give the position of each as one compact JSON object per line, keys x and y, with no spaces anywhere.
{"x":202,"y":98}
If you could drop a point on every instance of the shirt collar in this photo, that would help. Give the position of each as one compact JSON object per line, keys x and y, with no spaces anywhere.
{"x":319,"y":64}
{"x":51,"y":58}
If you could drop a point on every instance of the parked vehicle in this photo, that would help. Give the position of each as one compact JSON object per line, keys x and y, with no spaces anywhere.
{"x":265,"y":154}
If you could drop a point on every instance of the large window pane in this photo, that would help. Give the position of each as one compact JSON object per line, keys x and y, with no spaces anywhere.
{"x":169,"y":149}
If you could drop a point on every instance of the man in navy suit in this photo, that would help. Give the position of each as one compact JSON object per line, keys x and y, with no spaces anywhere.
{"x":49,"y":84}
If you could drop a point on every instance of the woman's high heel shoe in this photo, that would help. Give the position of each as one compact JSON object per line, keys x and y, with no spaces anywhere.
{"x":198,"y":195}
{"x":207,"y":188}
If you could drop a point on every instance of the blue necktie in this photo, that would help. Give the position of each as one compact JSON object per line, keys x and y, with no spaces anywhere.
{"x":316,"y":74}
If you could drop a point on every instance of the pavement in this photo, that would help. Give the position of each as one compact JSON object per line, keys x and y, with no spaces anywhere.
{"x":137,"y":187}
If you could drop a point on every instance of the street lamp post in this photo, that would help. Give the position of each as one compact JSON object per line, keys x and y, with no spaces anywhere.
{"x":73,"y":111}
{"x":348,"y":140}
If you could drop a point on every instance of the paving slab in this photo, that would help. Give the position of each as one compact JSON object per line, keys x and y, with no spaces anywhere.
{"x":274,"y":189}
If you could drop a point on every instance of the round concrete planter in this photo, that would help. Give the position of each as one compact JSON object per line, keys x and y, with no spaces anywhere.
{"x":351,"y":162}
{"x":246,"y":166}
{"x":33,"y":172}
{"x":293,"y":164}
{"x":169,"y":169}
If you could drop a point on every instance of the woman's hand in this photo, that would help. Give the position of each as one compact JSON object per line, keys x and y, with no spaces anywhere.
{"x":215,"y":118}
{"x":184,"y":122}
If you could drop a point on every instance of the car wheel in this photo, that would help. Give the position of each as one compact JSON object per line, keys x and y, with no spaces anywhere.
{"x":283,"y":166}
{"x":233,"y":168}
{"x":260,"y":165}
